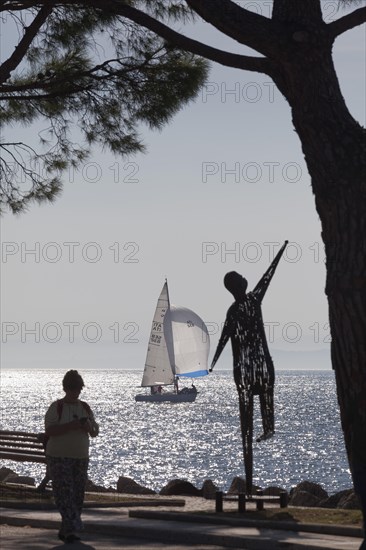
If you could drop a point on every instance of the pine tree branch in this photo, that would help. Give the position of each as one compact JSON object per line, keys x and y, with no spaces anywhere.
{"x":257,"y":64}
{"x":18,"y":5}
{"x":109,"y":70}
{"x":13,"y":61}
{"x":106,"y":70}
{"x":347,"y":22}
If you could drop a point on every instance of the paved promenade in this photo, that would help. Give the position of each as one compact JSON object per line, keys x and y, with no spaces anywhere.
{"x":173,"y":528}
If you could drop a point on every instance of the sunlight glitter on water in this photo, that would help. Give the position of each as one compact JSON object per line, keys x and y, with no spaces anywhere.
{"x":153,"y":443}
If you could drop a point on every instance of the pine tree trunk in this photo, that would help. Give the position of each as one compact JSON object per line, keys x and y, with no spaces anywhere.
{"x":335,"y":151}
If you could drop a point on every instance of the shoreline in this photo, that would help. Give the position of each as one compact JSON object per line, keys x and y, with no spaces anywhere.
{"x":305,"y":494}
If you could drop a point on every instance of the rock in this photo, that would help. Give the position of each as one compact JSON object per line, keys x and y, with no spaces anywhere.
{"x":307,"y":494}
{"x":94,"y":488}
{"x":209,"y":489}
{"x":180,"y":487}
{"x":349,"y":501}
{"x":238,"y":485}
{"x":333,"y":500}
{"x":303,"y":498}
{"x":21,"y":480}
{"x":129,"y":486}
{"x":5,"y":472}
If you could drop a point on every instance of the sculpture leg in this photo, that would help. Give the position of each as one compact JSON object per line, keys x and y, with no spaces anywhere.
{"x":246,"y":422}
{"x":267,"y":412}
{"x":267,"y":409}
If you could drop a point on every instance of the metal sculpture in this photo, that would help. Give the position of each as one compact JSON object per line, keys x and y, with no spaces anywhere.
{"x":252,"y":363}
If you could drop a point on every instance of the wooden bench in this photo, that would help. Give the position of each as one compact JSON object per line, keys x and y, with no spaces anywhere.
{"x":259,"y":499}
{"x":21,"y":446}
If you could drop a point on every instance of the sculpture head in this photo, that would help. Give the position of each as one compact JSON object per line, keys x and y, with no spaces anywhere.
{"x":236,"y":284}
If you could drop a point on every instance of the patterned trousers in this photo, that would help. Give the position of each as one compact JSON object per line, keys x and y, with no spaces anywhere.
{"x":69,"y":477}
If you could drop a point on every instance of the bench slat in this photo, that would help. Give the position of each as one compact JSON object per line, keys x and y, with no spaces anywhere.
{"x":22,"y":451}
{"x":22,"y":457}
{"x":22,"y":439}
{"x":13,"y":443}
{"x":17,"y":434}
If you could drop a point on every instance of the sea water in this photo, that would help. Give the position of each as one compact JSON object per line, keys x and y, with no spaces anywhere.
{"x":154,"y":443}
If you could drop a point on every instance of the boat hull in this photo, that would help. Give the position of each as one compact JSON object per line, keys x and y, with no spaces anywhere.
{"x":168,"y":397}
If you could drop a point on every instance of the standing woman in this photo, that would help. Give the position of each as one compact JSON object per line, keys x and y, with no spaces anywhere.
{"x":68,"y":424}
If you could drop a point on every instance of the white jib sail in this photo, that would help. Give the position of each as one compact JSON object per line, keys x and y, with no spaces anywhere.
{"x":191,"y":342}
{"x":158,"y":370}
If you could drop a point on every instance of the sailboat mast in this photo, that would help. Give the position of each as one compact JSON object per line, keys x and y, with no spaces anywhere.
{"x":169,"y":334}
{"x":167,"y":292}
{"x":172,"y":354}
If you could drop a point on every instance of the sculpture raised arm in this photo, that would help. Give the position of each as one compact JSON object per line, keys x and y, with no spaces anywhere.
{"x":262,"y":285}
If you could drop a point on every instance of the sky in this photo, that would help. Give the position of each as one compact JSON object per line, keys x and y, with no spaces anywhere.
{"x":218,"y":189}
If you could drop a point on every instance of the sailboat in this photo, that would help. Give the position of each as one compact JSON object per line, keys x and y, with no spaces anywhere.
{"x":178,"y":347}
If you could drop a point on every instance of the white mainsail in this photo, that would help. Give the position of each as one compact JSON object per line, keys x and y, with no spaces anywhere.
{"x":190,"y":342}
{"x":158,"y":369}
